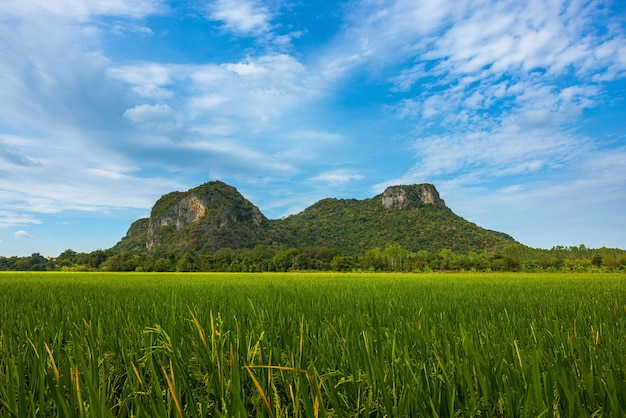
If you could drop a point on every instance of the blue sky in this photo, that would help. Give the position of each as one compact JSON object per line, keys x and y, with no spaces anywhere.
{"x":514,"y":110}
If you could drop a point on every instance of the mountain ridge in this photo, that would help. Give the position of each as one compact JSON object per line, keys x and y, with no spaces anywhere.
{"x":215,"y":215}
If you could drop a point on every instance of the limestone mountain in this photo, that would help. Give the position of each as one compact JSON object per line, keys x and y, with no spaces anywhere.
{"x":412,"y":216}
{"x":205,"y":218}
{"x":215,"y":215}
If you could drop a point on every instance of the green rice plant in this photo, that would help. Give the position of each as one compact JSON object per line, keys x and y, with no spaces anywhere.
{"x":312,"y":345}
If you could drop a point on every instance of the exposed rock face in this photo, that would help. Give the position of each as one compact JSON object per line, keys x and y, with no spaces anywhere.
{"x":215,"y":208}
{"x":189,"y":209}
{"x":411,"y":197}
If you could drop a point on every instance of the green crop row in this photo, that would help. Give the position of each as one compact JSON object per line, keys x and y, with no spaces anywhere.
{"x":308,"y":345}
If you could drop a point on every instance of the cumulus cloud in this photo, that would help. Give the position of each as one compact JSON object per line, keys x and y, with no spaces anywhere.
{"x":255,"y":19}
{"x":23,"y":234}
{"x":242,"y":17}
{"x":233,"y":117}
{"x":150,"y":80}
{"x":260,"y":88}
{"x":148,"y":113}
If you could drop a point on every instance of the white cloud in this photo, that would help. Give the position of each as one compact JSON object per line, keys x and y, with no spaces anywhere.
{"x":202,"y":104}
{"x":71,"y":175}
{"x":242,"y":17}
{"x":482,"y":38}
{"x":259,"y":89}
{"x":23,"y":234}
{"x":551,"y":209}
{"x":503,"y":84}
{"x":236,"y":108}
{"x":338,"y":176}
{"x":44,"y":72}
{"x":382,"y":33}
{"x":516,"y":145}
{"x":276,"y":72}
{"x":124,"y":29}
{"x":223,"y":115}
{"x":14,"y":156}
{"x":148,"y":113}
{"x":83,"y":9}
{"x":221,"y":119}
{"x":240,"y":161}
{"x":150,"y":80}
{"x":10,"y":218}
{"x":509,"y":37}
{"x":255,"y":19}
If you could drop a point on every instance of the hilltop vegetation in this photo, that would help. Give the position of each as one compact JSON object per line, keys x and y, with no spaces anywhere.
{"x":352,"y":227}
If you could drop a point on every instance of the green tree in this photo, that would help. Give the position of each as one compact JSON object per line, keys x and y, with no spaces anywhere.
{"x":283,"y":259}
{"x":186,"y":263}
{"x":597,"y":260}
{"x":96,"y":258}
{"x":342,"y":263}
{"x":163,"y":264}
{"x":67,"y":258}
{"x":374,"y":260}
{"x":396,"y":257}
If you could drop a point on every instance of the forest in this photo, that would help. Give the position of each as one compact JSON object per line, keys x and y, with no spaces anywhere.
{"x":275,"y":258}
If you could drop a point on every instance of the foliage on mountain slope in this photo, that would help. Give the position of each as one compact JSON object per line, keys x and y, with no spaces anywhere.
{"x":354,"y":226}
{"x":135,"y":239}
{"x":215,"y":215}
{"x":206,"y":218}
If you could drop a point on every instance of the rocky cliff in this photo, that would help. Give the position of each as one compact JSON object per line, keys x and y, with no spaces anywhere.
{"x":411,"y":197}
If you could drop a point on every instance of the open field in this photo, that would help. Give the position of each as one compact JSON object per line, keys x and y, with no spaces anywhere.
{"x":308,"y":344}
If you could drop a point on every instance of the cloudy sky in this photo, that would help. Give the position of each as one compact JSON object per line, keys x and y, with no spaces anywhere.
{"x":515,"y":110}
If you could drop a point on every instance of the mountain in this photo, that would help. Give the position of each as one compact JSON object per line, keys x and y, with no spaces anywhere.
{"x":215,"y":215}
{"x":205,"y":218}
{"x":413,"y":216}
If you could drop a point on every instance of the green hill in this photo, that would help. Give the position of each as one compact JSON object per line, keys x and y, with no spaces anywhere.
{"x":205,"y":218}
{"x":354,"y":226}
{"x":215,"y":215}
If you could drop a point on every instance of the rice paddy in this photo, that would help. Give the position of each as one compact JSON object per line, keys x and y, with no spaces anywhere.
{"x":312,"y":345}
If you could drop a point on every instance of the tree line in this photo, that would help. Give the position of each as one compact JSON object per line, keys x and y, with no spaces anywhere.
{"x":270,"y":258}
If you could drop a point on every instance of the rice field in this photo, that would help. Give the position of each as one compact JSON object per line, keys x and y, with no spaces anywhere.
{"x":312,"y":345}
